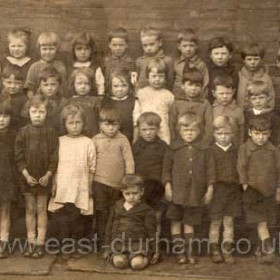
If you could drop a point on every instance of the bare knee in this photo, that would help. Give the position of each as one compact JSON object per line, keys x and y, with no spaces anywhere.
{"x":120,"y":261}
{"x":139,"y":262}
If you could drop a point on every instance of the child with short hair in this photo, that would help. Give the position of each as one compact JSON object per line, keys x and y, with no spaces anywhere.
{"x":225,"y":105}
{"x":225,"y":204}
{"x":36,"y":158}
{"x":81,"y":83}
{"x":148,"y":152}
{"x":118,"y":57}
{"x":114,"y":160}
{"x":8,"y":176}
{"x":220,"y":53}
{"x":18,"y":43}
{"x":72,"y":190}
{"x":252,"y":70}
{"x":193,"y":100}
{"x":259,"y":168}
{"x":48,"y":46}
{"x":258,"y":93}
{"x":132,"y":221}
{"x":84,"y":53}
{"x":121,"y":97}
{"x":12,"y":79}
{"x":151,"y":41}
{"x":188,"y":177}
{"x":187,"y":45}
{"x":155,"y":98}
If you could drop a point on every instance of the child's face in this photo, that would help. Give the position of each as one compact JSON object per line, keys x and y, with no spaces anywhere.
{"x":48,"y":52}
{"x":192,"y":90}
{"x":223,"y":136}
{"x":109,"y":129}
{"x":82,"y":85}
{"x":133,"y":194}
{"x":120,"y":88}
{"x":252,"y":63}
{"x":259,"y":102}
{"x":259,"y":137}
{"x":12,"y":85}
{"x":118,"y":47}
{"x":38,"y":115}
{"x":156,"y":80}
{"x":17,"y":48}
{"x":189,"y":133}
{"x":148,"y":132}
{"x":187,"y":48}
{"x":151,"y":45}
{"x":82,"y":52}
{"x":220,"y":56}
{"x":4,"y":121}
{"x":49,"y":87}
{"x":223,"y":95}
{"x":74,"y":125}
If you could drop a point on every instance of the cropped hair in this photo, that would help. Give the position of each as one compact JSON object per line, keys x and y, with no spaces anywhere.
{"x":194,"y":76}
{"x":20,"y":33}
{"x":220,"y":42}
{"x":187,"y":34}
{"x":49,"y":72}
{"x":189,"y":119}
{"x":225,"y":122}
{"x":71,"y":110}
{"x":253,"y":49}
{"x":132,"y":180}
{"x":88,"y":72}
{"x":223,"y":80}
{"x":47,"y":39}
{"x":150,"y":118}
{"x":158,"y":64}
{"x":260,"y":124}
{"x":84,"y":38}
{"x":14,"y":70}
{"x":5,"y":105}
{"x":119,"y":32}
{"x":124,"y":76}
{"x":151,"y":31}
{"x":110,"y":115}
{"x":257,"y":87}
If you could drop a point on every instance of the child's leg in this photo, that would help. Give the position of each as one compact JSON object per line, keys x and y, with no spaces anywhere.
{"x":5,"y":221}
{"x":263,"y":232}
{"x":214,"y":233}
{"x":158,"y":214}
{"x":189,"y":235}
{"x":139,"y":262}
{"x":228,"y":239}
{"x":30,"y":218}
{"x":178,"y":242}
{"x":120,"y":261}
{"x":42,"y":218}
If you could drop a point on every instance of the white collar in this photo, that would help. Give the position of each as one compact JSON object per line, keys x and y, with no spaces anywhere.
{"x":79,"y":64}
{"x":127,"y":206}
{"x":225,"y":148}
{"x":119,"y":99}
{"x":18,"y":61}
{"x":257,"y":112}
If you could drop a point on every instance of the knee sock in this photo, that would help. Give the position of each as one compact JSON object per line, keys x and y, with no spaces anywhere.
{"x":178,"y":244}
{"x":214,"y":232}
{"x":228,"y":229}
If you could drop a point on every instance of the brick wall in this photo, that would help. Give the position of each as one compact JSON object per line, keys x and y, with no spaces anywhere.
{"x":242,"y":20}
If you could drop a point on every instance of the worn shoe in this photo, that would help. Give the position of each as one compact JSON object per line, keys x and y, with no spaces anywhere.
{"x":268,"y":256}
{"x":216,"y":256}
{"x":227,"y":253}
{"x":181,"y":259}
{"x":38,"y":252}
{"x":4,"y":249}
{"x":29,"y":251}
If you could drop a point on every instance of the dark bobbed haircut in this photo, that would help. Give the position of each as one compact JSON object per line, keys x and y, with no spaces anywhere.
{"x":220,"y":42}
{"x":260,"y":124}
{"x":49,"y":72}
{"x":187,"y":34}
{"x":118,"y":32}
{"x":110,"y":115}
{"x":14,"y":70}
{"x":253,"y":49}
{"x":194,"y":76}
{"x":223,"y":80}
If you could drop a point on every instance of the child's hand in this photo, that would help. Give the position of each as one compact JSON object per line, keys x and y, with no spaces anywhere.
{"x":156,"y":258}
{"x":31,"y":181}
{"x":107,"y":256}
{"x":278,"y":195}
{"x":168,"y":191}
{"x":134,"y":77}
{"x":245,"y":186}
{"x":209,"y":195}
{"x":54,"y":187}
{"x":43,"y":181}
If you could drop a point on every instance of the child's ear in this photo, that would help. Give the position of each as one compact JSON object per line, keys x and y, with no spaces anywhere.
{"x":160,"y":42}
{"x":214,"y":93}
{"x":249,"y":132}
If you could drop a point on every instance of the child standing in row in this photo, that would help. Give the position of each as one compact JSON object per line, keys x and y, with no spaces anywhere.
{"x":114,"y":160}
{"x":187,"y":44}
{"x":155,"y":98}
{"x":48,"y":45}
{"x":84,"y":52}
{"x":36,"y":158}
{"x":188,"y":177}
{"x":152,"y":46}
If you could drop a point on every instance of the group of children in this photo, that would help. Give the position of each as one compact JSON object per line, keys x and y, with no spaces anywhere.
{"x":127,"y":144}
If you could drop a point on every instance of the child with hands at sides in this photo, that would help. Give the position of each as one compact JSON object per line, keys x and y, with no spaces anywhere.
{"x":188,"y":177}
{"x":84,"y":53}
{"x":132,"y":221}
{"x":114,"y":160}
{"x":48,"y":46}
{"x":121,"y":97}
{"x":155,"y":98}
{"x":258,"y":167}
{"x":71,"y":192}
{"x":36,"y":157}
{"x":18,"y":43}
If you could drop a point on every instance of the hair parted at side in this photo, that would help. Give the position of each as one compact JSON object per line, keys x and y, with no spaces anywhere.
{"x":49,"y":72}
{"x":149,"y":118}
{"x":124,"y":76}
{"x":150,"y":31}
{"x":223,"y":80}
{"x":225,"y":122}
{"x":158,"y":64}
{"x":220,"y":42}
{"x":192,"y":75}
{"x":187,"y":34}
{"x":253,"y":49}
{"x":119,"y":32}
{"x":132,"y":180}
{"x":189,"y":119}
{"x":257,"y":87}
{"x":260,"y":124}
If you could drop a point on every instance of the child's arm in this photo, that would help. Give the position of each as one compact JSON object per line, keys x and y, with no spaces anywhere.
{"x":241,"y":128}
{"x":91,"y":164}
{"x":277,"y":155}
{"x":271,"y":102}
{"x":167,"y":173}
{"x":208,"y":129}
{"x":173,"y":115}
{"x":136,"y":113}
{"x":128,"y":158}
{"x":210,"y":175}
{"x":150,"y":226}
{"x":31,"y":78}
{"x":100,"y":82}
{"x":242,"y":163}
{"x":43,"y":181}
{"x":31,"y":181}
